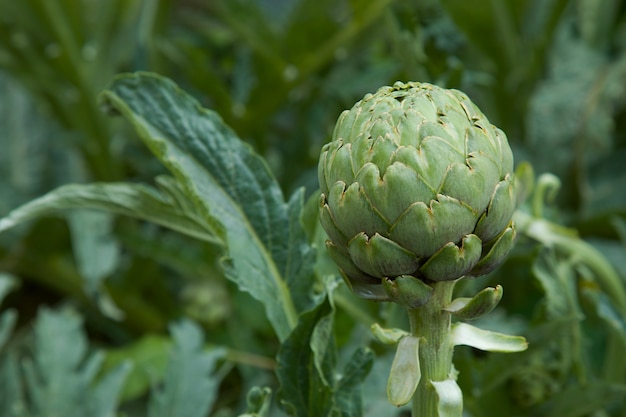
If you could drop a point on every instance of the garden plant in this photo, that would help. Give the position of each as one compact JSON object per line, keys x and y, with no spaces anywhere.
{"x":234,"y":208}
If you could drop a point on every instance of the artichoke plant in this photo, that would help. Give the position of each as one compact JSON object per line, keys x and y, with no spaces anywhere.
{"x":416,"y":187}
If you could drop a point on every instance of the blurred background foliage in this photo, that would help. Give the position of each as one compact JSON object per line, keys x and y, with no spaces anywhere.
{"x":550,"y":73}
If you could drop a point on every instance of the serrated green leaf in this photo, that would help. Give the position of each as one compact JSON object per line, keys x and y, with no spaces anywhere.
{"x":231,"y":187}
{"x":315,"y":388}
{"x":465,"y":334}
{"x":60,"y":378}
{"x":449,"y":398}
{"x":305,"y":389}
{"x":190,"y":386}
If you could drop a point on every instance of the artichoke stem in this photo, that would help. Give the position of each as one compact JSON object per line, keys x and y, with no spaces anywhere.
{"x":432,"y":324}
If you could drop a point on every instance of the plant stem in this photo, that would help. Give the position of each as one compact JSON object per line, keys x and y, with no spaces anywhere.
{"x":432,"y":325}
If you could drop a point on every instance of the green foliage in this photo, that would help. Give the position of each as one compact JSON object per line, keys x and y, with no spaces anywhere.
{"x":316,"y":387}
{"x":166,"y":213}
{"x":238,"y":199}
{"x":62,"y":378}
{"x":189,"y":389}
{"x":59,"y":377}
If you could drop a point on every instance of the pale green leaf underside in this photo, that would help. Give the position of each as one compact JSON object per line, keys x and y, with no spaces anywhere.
{"x":465,"y":334}
{"x":134,"y":200}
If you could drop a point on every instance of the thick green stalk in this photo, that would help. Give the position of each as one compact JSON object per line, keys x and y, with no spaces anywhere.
{"x":432,"y":325}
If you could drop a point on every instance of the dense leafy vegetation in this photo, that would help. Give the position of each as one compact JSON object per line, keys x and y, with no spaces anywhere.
{"x":200,"y":285}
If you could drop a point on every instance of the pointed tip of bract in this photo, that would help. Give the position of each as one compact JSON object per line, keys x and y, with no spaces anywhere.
{"x":496,"y":251}
{"x":328,"y":223}
{"x":408,"y":291}
{"x":381,"y":257}
{"x":452,"y":262}
{"x":479,"y":305}
{"x":499,"y":212}
{"x":345,"y":264}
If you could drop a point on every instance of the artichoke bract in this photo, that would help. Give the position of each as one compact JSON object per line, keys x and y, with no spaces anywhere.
{"x":416,"y":187}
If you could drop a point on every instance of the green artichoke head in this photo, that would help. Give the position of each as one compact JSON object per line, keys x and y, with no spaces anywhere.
{"x":415,"y":183}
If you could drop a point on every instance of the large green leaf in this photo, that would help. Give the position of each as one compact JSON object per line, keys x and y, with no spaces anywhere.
{"x":231,"y":186}
{"x":310,"y":385}
{"x":222,"y":192}
{"x":305,"y":391}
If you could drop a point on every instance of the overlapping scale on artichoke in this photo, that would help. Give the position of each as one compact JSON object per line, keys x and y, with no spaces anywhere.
{"x":415,"y":182}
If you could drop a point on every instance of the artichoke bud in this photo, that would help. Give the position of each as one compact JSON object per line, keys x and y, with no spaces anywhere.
{"x":416,"y":187}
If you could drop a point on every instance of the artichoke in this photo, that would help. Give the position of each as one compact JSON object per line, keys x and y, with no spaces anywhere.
{"x":416,"y":187}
